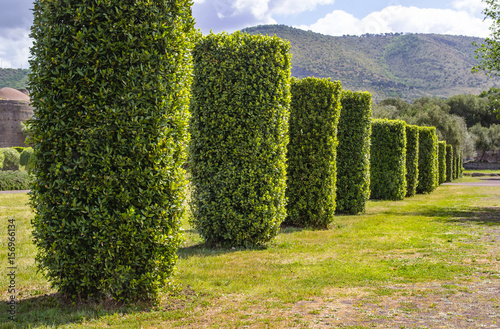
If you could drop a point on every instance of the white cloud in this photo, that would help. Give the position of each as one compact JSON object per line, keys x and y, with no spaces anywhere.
{"x":15,"y":48}
{"x":226,"y":13}
{"x":404,"y":19}
{"x":474,"y":7}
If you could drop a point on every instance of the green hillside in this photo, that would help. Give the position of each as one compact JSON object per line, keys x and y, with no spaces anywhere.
{"x":14,"y":78}
{"x":408,"y":66}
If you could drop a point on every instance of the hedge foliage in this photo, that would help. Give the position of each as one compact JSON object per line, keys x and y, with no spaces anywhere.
{"x":411,"y":159}
{"x":109,"y":85}
{"x":312,"y":152}
{"x":388,"y":160}
{"x":239,"y":127}
{"x":25,"y":157}
{"x":427,"y":160}
{"x":2,"y":158}
{"x":449,"y":163}
{"x":11,"y":159}
{"x":442,"y":161}
{"x":14,"y":180}
{"x":353,"y":152}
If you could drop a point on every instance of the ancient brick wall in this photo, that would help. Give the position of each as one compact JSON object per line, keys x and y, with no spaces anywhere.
{"x":12,"y":113}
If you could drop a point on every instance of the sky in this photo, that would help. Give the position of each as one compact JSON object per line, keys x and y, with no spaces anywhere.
{"x":331,"y":17}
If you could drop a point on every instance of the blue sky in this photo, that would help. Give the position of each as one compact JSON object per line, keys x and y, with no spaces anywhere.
{"x":332,"y":17}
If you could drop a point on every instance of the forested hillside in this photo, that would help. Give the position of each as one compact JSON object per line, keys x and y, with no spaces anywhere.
{"x":408,"y":66}
{"x":14,"y":78}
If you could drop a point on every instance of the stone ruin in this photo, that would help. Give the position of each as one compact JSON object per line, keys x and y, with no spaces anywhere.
{"x":14,"y":108}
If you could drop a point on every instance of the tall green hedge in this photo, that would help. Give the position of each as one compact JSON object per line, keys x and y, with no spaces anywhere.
{"x":2,"y":158}
{"x":449,"y":163}
{"x":353,"y":152}
{"x":442,"y":161}
{"x":239,"y":127}
{"x":312,"y":151}
{"x":411,"y":159}
{"x":388,"y":160}
{"x":109,"y":87}
{"x":427,"y":160}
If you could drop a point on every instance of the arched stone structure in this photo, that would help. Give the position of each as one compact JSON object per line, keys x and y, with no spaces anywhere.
{"x":14,"y":109}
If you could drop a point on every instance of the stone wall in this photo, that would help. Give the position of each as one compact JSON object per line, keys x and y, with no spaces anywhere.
{"x":12,"y":113}
{"x":473,"y":165}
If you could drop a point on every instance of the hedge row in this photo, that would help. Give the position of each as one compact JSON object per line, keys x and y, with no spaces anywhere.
{"x":109,"y":83}
{"x":353,"y":153}
{"x":239,"y":129}
{"x":14,"y":180}
{"x":412,"y":143}
{"x":427,"y":160}
{"x":388,"y":160}
{"x":442,"y":161}
{"x":312,"y":151}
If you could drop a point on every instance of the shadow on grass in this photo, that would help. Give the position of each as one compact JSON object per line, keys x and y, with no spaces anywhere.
{"x":53,"y":311}
{"x":488,"y":216}
{"x":206,"y":250}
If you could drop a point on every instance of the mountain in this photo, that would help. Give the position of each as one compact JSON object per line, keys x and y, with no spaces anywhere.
{"x":407,"y":66}
{"x":14,"y":78}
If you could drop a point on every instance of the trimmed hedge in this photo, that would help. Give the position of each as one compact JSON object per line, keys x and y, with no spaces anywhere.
{"x":442,"y":161}
{"x":109,"y":84}
{"x":411,"y":159}
{"x":312,"y":151}
{"x":239,"y":127}
{"x":427,"y":160}
{"x":388,"y":160}
{"x":11,"y":159}
{"x":25,"y":157}
{"x":353,"y":152}
{"x":2,"y":158}
{"x":14,"y":180}
{"x":449,"y":163}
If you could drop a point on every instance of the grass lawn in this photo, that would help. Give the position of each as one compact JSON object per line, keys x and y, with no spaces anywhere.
{"x":403,"y":264}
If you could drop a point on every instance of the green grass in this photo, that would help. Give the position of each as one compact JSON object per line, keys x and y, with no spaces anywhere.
{"x":482,"y":171}
{"x":427,"y":238}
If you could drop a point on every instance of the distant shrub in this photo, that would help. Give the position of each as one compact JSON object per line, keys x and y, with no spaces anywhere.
{"x":14,"y":180}
{"x":442,"y":161}
{"x":11,"y":159}
{"x":353,"y":152}
{"x":24,"y":158}
{"x":427,"y":160}
{"x":239,"y":136}
{"x":388,"y":160}
{"x":411,"y":159}
{"x":449,"y":163}
{"x":312,"y":151}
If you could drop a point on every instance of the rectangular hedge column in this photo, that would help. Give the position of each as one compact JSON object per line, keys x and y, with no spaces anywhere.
{"x":411,"y":159}
{"x":239,"y":136}
{"x":110,"y":86}
{"x":353,"y":152}
{"x":312,"y":151}
{"x":427,"y":160}
{"x":388,"y":160}
{"x":449,"y":163}
{"x":442,"y":161}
